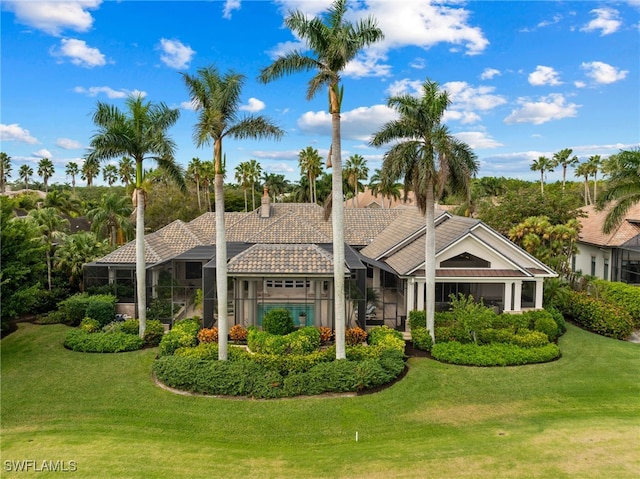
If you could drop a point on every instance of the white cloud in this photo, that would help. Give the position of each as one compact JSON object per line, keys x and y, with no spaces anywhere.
{"x":15,"y":132}
{"x":579,"y":84}
{"x":405,"y":86}
{"x":464,"y":117}
{"x":109,"y":92}
{"x":546,"y":23}
{"x":175,"y":54}
{"x":544,"y":76}
{"x":187,"y":105}
{"x":357,"y":124}
{"x":418,"y":63}
{"x":80,"y":53}
{"x":603,"y":72}
{"x":283,"y":48}
{"x":607,"y":21}
{"x":54,"y":16}
{"x":230,"y":6}
{"x":68,"y":144}
{"x":253,"y":105}
{"x":552,"y":107}
{"x":43,"y":153}
{"x":466,"y":97}
{"x":368,"y":65}
{"x":478,"y":140}
{"x":489,"y":74}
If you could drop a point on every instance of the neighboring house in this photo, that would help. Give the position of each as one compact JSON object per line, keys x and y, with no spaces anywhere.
{"x":614,"y":256}
{"x":281,"y":256}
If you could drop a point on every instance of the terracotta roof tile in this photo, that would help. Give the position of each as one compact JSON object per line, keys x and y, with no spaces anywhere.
{"x":282,"y":259}
{"x":591,"y":231}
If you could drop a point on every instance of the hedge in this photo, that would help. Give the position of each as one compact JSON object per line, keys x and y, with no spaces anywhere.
{"x":100,"y":307}
{"x":79,"y":340}
{"x":597,"y":315}
{"x":621,"y":294}
{"x":183,"y":334}
{"x":497,"y":354}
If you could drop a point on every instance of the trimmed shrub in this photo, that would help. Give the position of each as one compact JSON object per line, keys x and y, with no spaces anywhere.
{"x":546,"y":325}
{"x":355,"y":336}
{"x":498,"y":354}
{"x":102,"y":307}
{"x":452,"y":333}
{"x":622,"y":295}
{"x":379,"y":333}
{"x":530,"y":339}
{"x":303,"y":341}
{"x":278,"y":321}
{"x":153,"y":333}
{"x":491,"y":335}
{"x":421,"y":338}
{"x":558,"y":318}
{"x":79,"y":340}
{"x":238,"y":333}
{"x":209,"y":351}
{"x":131,"y":326}
{"x":208,"y":335}
{"x":326,"y":334}
{"x":75,"y":308}
{"x":53,"y":317}
{"x":597,"y":316}
{"x":183,"y":334}
{"x":417,"y":319}
{"x":89,"y":325}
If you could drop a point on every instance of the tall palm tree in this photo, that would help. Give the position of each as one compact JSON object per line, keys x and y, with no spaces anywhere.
{"x":24,"y":173}
{"x":594,"y":164}
{"x":140,"y":132}
{"x":5,"y":170}
{"x":583,"y":170}
{"x":333,"y":42}
{"x":76,"y":250}
{"x":254,"y":170}
{"x":275,"y":183}
{"x":563,"y":158}
{"x":110,"y":174}
{"x":242,"y":177}
{"x":542,"y":164}
{"x":51,"y":226}
{"x":428,"y":157}
{"x":72,"y":170}
{"x":90,"y":170}
{"x":64,"y":202}
{"x":194,"y":169}
{"x":126,"y":170}
{"x":111,"y":215}
{"x":355,"y":169}
{"x":46,"y":171}
{"x":387,"y":187}
{"x":216,"y":99}
{"x":207,"y":176}
{"x":310,"y":163}
{"x":622,"y":189}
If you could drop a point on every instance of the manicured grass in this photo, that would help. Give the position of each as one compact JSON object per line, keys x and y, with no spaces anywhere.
{"x":575,"y":417}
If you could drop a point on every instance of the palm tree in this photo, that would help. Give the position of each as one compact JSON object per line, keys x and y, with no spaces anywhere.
{"x":385,"y":186}
{"x":51,"y":225}
{"x":216,"y":99}
{"x":562,"y":158}
{"x":428,"y":157}
{"x":542,"y":164}
{"x":24,"y":173}
{"x":594,"y":164}
{"x":195,"y":170}
{"x":334,"y":42}
{"x":125,"y":170}
{"x":90,"y":170}
{"x":5,"y":170}
{"x":242,"y":177}
{"x":46,"y":171}
{"x":111,"y":215}
{"x":110,"y":174}
{"x":207,"y":175}
{"x":63,"y":202}
{"x":276,"y":184}
{"x":355,"y":169}
{"x":622,"y":189}
{"x":140,"y":133}
{"x":584,"y":171}
{"x":75,"y":251}
{"x":254,"y":170}
{"x":310,"y":163}
{"x":72,"y":170}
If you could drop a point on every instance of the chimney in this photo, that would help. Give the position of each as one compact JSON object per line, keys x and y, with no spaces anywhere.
{"x":265,"y":207}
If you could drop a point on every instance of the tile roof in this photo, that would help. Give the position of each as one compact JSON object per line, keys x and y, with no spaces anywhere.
{"x":282,"y":259}
{"x":591,"y":231}
{"x":478,"y":273}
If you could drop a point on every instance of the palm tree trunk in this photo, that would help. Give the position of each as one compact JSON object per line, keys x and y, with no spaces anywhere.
{"x":430,"y":261}
{"x":542,"y":182}
{"x":141,"y":267}
{"x":221,"y":267}
{"x":595,"y":188}
{"x":337,"y":217}
{"x":253,"y":196}
{"x":311,"y":198}
{"x":246,"y":205}
{"x":49,"y":266}
{"x":198,"y":192}
{"x":113,"y":235}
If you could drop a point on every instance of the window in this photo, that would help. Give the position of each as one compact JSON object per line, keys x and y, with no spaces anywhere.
{"x":465,"y":260}
{"x":605,"y":272}
{"x":573,"y":263}
{"x":289,"y":283}
{"x":593,"y":266}
{"x":193,"y":270}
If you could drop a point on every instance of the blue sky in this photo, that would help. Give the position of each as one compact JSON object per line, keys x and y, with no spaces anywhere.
{"x":526,"y":78}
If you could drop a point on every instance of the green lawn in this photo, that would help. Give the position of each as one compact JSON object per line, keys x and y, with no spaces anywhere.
{"x":578,"y":417}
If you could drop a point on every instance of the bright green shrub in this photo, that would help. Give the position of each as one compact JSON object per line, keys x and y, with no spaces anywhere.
{"x":102,"y":307}
{"x":530,"y":339}
{"x":302,"y":341}
{"x":443,"y":318}
{"x":492,"y":335}
{"x":130,"y":326}
{"x":470,"y":315}
{"x":278,"y":321}
{"x":622,"y":295}
{"x":379,"y":333}
{"x":292,"y":363}
{"x":421,"y":338}
{"x":558,"y":318}
{"x":183,"y":334}
{"x":89,"y":325}
{"x":597,"y":316}
{"x":209,"y":351}
{"x":546,"y":325}
{"x":100,"y":342}
{"x":452,"y":333}
{"x":153,"y":333}
{"x":75,"y":308}
{"x":53,"y":317}
{"x":498,"y":354}
{"x":417,"y":319}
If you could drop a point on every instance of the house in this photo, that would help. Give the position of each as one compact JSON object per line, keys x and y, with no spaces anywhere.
{"x":280,"y":255}
{"x":614,"y":256}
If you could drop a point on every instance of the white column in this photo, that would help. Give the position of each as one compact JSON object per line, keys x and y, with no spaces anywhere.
{"x":420,"y":295}
{"x":376,"y":277}
{"x":317,"y":286}
{"x":517,"y":296}
{"x":539,"y":293}
{"x":253,"y":303}
{"x":411,"y":296}
{"x":155,"y":275}
{"x":508,"y":299}
{"x":240,"y":300}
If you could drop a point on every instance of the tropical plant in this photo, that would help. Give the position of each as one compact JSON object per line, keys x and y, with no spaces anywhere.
{"x":428,"y":157}
{"x":90,"y":170}
{"x":310,"y":163}
{"x":542,"y":164}
{"x":254,"y":170}
{"x":194,"y":169}
{"x":141,"y":133}
{"x":51,"y":225}
{"x":110,"y":216}
{"x":5,"y":170}
{"x":623,"y":188}
{"x":110,"y":174}
{"x":583,"y":170}
{"x":75,"y":251}
{"x":594,"y":163}
{"x":46,"y":171}
{"x":126,"y":170}
{"x":355,"y":169}
{"x":24,"y":173}
{"x":242,"y":177}
{"x":64,"y":202}
{"x":72,"y":170}
{"x":334,"y":42}
{"x":563,"y":158}
{"x":275,"y":183}
{"x":216,"y":99}
{"x":387,"y":187}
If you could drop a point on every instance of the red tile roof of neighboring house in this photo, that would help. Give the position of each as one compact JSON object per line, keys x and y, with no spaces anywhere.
{"x":591,"y":231}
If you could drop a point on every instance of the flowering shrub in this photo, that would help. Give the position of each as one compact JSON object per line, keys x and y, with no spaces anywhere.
{"x":208,"y":335}
{"x":355,"y":336}
{"x":597,"y":316}
{"x":89,"y":325}
{"x":326,"y":334}
{"x":238,"y":333}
